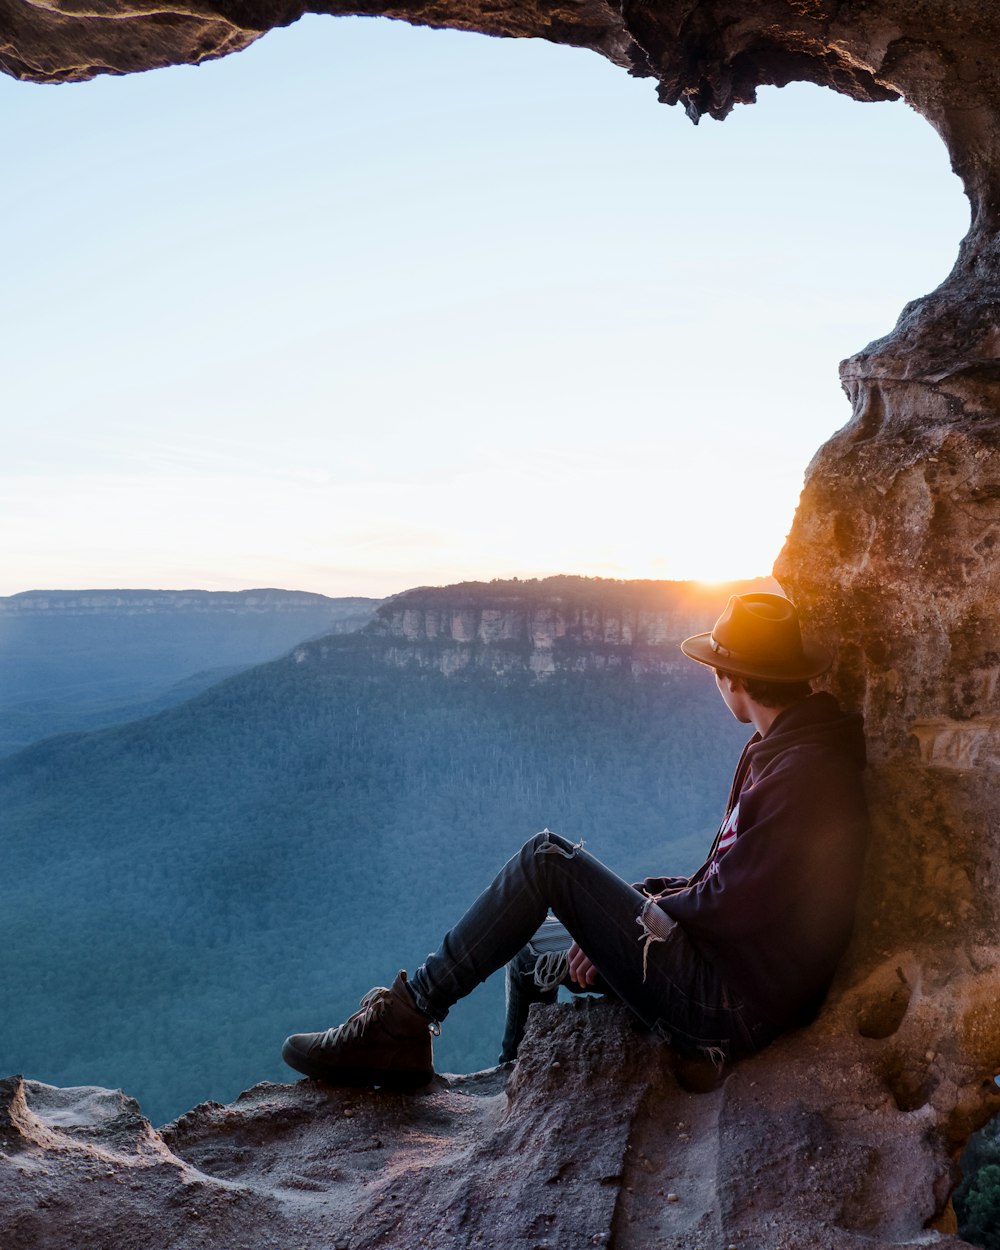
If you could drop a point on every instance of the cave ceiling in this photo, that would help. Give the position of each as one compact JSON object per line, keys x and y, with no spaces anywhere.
{"x":707,"y":56}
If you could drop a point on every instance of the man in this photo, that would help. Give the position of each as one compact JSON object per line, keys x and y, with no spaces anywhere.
{"x":716,"y":964}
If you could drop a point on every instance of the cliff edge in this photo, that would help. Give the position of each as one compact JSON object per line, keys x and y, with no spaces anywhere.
{"x":591,"y":1139}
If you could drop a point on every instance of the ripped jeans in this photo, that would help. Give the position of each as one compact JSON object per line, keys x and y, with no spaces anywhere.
{"x":665,"y":980}
{"x":534,"y":976}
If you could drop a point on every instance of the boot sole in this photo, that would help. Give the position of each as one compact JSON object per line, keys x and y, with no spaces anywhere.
{"x":387,"y":1078}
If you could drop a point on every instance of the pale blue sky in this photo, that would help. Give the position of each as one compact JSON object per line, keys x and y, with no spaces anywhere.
{"x":370,"y":306}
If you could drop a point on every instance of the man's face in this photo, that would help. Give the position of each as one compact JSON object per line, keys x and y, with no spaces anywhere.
{"x":735,"y":697}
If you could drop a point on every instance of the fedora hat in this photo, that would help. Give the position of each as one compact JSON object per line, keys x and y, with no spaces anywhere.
{"x":758,"y":636}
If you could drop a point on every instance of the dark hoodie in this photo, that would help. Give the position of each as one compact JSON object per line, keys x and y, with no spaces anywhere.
{"x":773,"y":905}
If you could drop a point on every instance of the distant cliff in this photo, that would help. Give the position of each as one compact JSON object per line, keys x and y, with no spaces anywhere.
{"x":82,"y":659}
{"x":556,"y":624}
{"x":141,"y":602}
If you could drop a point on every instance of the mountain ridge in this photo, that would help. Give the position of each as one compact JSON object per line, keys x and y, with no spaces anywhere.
{"x":544,"y":626}
{"x":87,"y":602}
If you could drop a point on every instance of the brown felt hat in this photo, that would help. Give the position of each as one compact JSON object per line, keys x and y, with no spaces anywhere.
{"x":758,"y":635}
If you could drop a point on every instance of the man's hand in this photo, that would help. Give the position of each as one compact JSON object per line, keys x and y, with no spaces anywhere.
{"x":581,"y":971}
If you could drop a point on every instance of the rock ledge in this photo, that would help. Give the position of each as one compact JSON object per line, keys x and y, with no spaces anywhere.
{"x":589,"y":1140}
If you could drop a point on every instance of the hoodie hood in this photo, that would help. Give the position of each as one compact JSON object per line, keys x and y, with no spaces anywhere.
{"x":816,"y":721}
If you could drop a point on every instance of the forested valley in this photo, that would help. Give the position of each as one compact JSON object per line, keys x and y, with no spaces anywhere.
{"x":182,"y":892}
{"x":72,"y":661}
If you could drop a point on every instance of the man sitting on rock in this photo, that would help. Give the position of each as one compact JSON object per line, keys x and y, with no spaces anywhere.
{"x":716,"y":964}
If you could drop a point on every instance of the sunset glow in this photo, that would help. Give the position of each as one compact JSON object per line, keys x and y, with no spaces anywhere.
{"x":369,"y":306}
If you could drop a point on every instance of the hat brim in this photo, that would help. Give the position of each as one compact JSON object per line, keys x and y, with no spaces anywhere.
{"x":815,"y":660}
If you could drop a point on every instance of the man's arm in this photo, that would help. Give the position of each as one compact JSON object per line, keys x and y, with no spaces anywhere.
{"x":661,"y":885}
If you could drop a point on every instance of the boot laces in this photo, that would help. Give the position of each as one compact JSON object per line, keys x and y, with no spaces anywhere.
{"x":550,"y":969}
{"x":372,"y":1007}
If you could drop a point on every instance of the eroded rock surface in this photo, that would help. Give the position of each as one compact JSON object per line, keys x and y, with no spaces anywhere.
{"x":590,"y":1140}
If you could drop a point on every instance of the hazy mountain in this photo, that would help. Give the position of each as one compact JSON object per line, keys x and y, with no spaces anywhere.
{"x":74,"y":660}
{"x":181,"y":892}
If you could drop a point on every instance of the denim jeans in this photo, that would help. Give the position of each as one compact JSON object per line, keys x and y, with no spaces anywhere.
{"x":649,"y":963}
{"x":532,"y":977}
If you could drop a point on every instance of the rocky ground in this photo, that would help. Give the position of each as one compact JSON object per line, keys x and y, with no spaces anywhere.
{"x":594,"y":1138}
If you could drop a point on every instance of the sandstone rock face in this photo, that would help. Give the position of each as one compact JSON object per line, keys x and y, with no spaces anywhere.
{"x":558,"y":624}
{"x":893,"y":559}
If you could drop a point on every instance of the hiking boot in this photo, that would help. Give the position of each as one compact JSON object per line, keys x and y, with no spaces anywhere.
{"x":386,"y":1042}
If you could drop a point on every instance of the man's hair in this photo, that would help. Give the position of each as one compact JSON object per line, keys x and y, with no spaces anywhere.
{"x":771,"y":693}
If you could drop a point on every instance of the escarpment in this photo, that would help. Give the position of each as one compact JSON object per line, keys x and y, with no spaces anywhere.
{"x":845,"y":1134}
{"x":542,"y":627}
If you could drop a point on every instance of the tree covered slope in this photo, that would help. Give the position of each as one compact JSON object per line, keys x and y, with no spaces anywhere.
{"x":181,"y":892}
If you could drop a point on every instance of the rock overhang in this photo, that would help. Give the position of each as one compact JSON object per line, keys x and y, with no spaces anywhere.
{"x":708,"y":56}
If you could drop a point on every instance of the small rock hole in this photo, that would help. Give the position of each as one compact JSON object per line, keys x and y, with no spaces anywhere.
{"x":882,"y":1015}
{"x":910,"y":1082}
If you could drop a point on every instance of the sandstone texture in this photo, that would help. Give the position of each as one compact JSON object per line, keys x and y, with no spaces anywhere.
{"x":592,"y":1139}
{"x":846,"y":1134}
